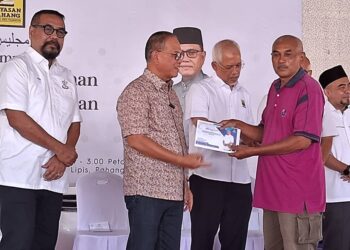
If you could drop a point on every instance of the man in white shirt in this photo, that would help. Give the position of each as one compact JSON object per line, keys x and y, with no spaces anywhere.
{"x":336,"y":227}
{"x":221,"y":192}
{"x":39,"y":128}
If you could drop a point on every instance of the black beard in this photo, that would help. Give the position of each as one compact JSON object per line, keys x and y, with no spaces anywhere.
{"x":50,"y":54}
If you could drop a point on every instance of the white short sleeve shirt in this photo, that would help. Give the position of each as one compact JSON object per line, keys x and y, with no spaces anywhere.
{"x":338,"y":190}
{"x":49,"y":97}
{"x":329,"y":121}
{"x":213,"y":99}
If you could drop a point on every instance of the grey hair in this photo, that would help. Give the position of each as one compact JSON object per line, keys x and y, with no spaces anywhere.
{"x":220,"y":46}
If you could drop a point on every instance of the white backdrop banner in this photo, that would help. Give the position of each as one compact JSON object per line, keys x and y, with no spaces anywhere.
{"x":105,"y":50}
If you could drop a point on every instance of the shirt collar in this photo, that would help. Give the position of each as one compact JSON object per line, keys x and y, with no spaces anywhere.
{"x":38,"y":58}
{"x":291,"y":83}
{"x":157,"y":82}
{"x":200,"y":76}
{"x":220,"y":83}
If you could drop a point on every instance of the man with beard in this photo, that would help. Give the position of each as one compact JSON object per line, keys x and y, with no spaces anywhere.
{"x":39,"y":128}
{"x":336,"y":227}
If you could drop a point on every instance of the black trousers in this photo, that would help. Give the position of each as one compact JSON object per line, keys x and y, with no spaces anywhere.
{"x":29,"y":218}
{"x":336,"y":226}
{"x":223,"y":204}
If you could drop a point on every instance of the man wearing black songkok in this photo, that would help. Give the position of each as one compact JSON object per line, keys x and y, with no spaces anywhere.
{"x":336,"y":225}
{"x":191,"y":43}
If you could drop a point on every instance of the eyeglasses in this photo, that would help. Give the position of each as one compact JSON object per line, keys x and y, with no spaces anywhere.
{"x":49,"y":30}
{"x":231,"y":67}
{"x":191,"y":53}
{"x":177,"y":55}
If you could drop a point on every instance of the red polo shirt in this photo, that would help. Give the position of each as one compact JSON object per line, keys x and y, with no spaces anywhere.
{"x":288,"y":182}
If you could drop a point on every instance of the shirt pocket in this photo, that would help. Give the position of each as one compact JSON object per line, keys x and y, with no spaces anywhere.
{"x":243,"y":112}
{"x":65,"y":101}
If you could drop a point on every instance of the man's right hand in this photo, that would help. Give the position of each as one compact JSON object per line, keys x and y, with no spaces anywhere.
{"x":66,"y":154}
{"x":229,"y":123}
{"x":192,"y":161}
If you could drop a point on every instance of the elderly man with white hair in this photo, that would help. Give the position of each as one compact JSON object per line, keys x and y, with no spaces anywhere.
{"x":221,"y":192}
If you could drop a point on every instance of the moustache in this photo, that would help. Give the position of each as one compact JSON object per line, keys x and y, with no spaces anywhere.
{"x":282,"y":66}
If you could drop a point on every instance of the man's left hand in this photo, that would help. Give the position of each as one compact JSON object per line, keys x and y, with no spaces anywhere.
{"x":242,"y":151}
{"x":55,"y":169}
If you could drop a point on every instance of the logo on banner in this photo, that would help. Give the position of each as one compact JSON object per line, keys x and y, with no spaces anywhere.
{"x":12,"y":13}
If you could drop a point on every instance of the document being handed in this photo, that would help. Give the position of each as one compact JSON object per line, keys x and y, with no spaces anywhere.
{"x":210,"y":136}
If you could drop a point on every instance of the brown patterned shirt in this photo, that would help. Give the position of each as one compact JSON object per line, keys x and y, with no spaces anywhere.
{"x":150,"y":107}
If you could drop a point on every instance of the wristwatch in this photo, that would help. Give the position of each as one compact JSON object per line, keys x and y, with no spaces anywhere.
{"x":347,"y":170}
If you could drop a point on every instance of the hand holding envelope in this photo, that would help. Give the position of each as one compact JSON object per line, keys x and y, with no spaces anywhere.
{"x":210,"y":135}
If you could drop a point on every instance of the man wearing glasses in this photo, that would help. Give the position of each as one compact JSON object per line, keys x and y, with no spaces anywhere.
{"x":155,"y":151}
{"x":221,"y":192}
{"x":39,"y":127}
{"x":191,"y":43}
